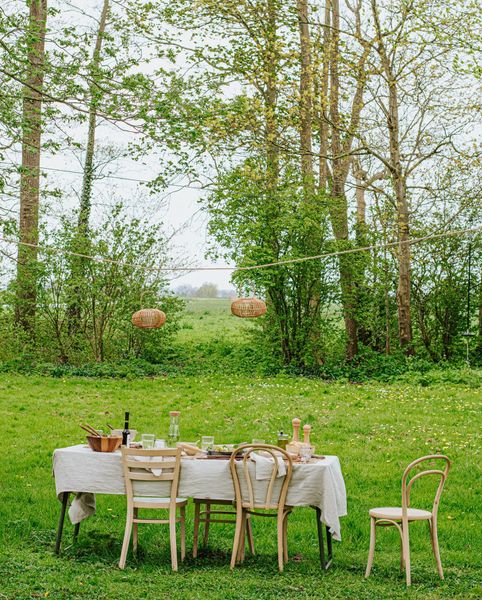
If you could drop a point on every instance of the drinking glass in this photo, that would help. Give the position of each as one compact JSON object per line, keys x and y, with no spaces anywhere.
{"x":148,"y":441}
{"x":207,"y":442}
{"x":305,"y":452}
{"x":160,"y":444}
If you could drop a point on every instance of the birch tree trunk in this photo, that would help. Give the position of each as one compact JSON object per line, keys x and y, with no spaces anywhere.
{"x":26,"y":286}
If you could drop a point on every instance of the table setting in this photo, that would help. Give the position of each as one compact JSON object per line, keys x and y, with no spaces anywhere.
{"x":84,"y":470}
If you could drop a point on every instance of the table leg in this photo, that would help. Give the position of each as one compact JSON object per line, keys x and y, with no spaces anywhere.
{"x":60,"y":528}
{"x":76,"y":531}
{"x":325,"y":564}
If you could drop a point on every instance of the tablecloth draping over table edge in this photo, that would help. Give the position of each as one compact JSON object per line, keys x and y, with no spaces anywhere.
{"x":79,"y":470}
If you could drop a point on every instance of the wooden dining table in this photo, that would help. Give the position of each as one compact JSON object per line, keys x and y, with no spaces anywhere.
{"x":81,"y":473}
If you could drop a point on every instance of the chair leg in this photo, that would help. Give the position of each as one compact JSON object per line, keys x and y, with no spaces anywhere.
{"x":285,"y":538}
{"x":280,"y":521}
{"x":135,"y":532}
{"x":406,"y":553}
{"x":127,"y":538}
{"x":183,"y":532}
{"x":242,"y":539}
{"x":371,"y":551}
{"x":172,"y":538}
{"x":249,"y":531}
{"x":436,"y":550}
{"x":237,"y":535}
{"x":207,"y":523}
{"x":195,"y":542}
{"x":402,"y":562}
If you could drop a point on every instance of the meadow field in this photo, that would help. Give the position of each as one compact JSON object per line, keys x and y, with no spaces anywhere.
{"x":375,"y":429}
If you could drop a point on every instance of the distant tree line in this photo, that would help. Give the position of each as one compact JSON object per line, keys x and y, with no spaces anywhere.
{"x":206,"y":290}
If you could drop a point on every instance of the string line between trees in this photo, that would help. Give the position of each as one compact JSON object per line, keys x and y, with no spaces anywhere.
{"x":290,"y":261}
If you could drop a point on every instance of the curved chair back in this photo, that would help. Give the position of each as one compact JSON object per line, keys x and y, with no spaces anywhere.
{"x":408,"y":480}
{"x":274,"y":453}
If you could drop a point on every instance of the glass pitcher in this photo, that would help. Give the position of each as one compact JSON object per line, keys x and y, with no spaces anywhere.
{"x":173,"y":436}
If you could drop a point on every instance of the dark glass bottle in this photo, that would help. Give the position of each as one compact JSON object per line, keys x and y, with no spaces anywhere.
{"x":126,"y":434}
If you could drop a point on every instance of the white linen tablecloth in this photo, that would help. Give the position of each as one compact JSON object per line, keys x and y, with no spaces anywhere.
{"x":79,"y":470}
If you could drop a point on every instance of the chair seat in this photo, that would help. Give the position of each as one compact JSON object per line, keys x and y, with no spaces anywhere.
{"x":164,"y":501}
{"x":394,"y":513}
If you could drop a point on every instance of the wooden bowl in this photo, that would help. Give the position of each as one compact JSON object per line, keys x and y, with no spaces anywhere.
{"x":104,"y":444}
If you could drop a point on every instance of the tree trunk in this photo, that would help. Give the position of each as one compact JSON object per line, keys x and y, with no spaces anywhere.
{"x":306,"y":100}
{"x":403,"y":288}
{"x":324,"y":101}
{"x":85,"y":199}
{"x":400,"y":188}
{"x":338,"y":203}
{"x":81,"y":239}
{"x":478,"y":345}
{"x":26,"y":292}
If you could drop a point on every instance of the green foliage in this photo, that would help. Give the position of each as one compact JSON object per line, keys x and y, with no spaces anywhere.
{"x":108,"y":294}
{"x":251,"y":225}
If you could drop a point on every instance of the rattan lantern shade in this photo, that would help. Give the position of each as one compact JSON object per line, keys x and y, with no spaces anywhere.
{"x":148,"y":318}
{"x":247,"y":308}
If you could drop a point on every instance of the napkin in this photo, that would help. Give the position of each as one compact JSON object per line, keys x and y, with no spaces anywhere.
{"x":265,"y":466}
{"x":83,"y":505}
{"x":156,"y":471}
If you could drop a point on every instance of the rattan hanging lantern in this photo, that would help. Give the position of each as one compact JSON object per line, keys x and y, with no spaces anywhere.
{"x":148,"y":318}
{"x":248,"y":308}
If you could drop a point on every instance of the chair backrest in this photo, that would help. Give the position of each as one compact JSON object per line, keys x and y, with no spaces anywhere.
{"x":273,"y":452}
{"x":138,"y":465}
{"x":408,"y":479}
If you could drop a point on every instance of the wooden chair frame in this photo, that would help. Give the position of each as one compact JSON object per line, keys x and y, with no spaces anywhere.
{"x":402,"y":524}
{"x":136,"y":469}
{"x":206,"y":517}
{"x":251,"y":507}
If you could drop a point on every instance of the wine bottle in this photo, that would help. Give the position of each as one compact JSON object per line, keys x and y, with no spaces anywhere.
{"x":126,"y":434}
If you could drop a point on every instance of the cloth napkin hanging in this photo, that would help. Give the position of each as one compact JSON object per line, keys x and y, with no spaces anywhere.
{"x":156,"y":471}
{"x":264,"y":466}
{"x":83,"y":505}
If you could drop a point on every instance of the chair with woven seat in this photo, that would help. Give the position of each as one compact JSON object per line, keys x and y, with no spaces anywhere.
{"x":206,"y":514}
{"x":403,"y":516}
{"x":147,"y":468}
{"x":248,"y":504}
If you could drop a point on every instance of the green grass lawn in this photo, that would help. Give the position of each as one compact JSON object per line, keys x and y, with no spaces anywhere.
{"x":375,"y":429}
{"x":205,"y":319}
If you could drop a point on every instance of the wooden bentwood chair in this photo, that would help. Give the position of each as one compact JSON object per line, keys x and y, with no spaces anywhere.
{"x":402,"y":517}
{"x":248,"y":504}
{"x":138,"y":465}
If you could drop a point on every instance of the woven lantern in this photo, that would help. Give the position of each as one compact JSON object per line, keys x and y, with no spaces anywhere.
{"x":148,"y":318}
{"x":247,"y":308}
